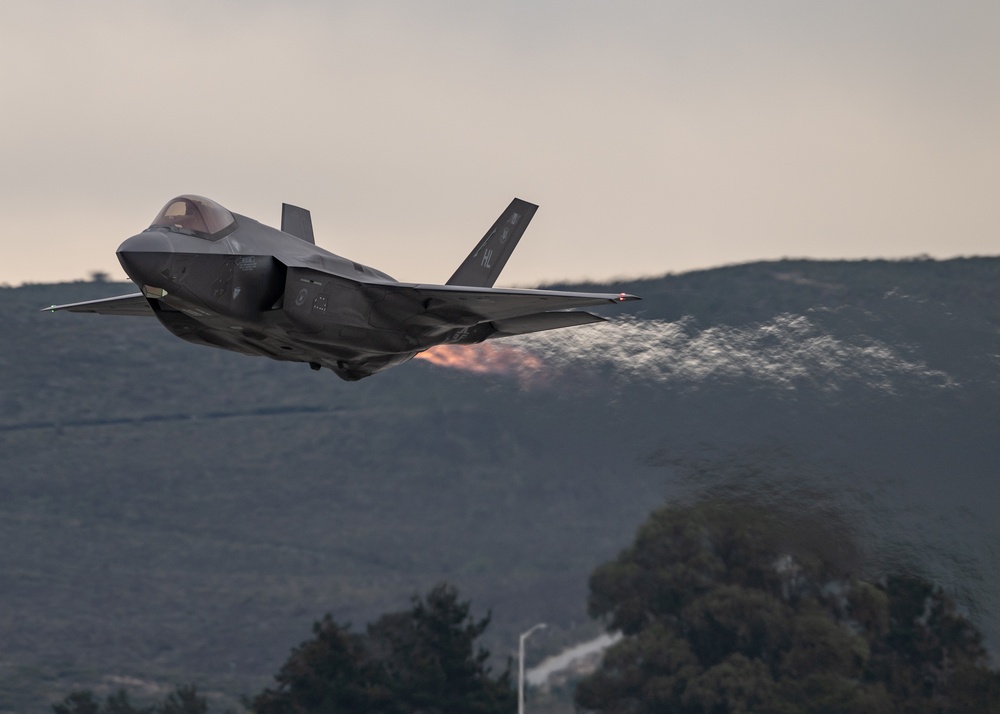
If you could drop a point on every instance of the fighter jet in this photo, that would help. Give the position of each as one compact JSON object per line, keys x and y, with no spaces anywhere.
{"x":216,"y":278}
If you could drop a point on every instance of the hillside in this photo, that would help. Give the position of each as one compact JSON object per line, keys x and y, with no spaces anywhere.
{"x":175,"y":513}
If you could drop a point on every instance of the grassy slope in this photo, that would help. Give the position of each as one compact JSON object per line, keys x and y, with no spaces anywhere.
{"x":176,"y":513}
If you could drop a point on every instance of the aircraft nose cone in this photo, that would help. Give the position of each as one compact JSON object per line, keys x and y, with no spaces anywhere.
{"x":143,"y":255}
{"x":146,"y":242}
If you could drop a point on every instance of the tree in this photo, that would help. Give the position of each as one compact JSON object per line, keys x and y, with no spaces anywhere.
{"x":78,"y":703}
{"x":327,"y":673}
{"x":183,"y":700}
{"x":421,"y":660}
{"x":727,"y":608}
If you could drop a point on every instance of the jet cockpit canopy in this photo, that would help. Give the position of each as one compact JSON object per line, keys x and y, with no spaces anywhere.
{"x":195,"y":215}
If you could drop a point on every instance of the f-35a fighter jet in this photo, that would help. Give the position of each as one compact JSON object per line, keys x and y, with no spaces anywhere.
{"x":220,"y":279}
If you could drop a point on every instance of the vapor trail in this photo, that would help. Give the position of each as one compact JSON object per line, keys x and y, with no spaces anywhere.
{"x":786,"y":352}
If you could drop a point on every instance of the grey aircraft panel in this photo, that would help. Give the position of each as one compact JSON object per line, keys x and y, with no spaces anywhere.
{"x":503,"y":304}
{"x":543,"y":321}
{"x":483,"y":266}
{"x":220,"y":279}
{"x":297,"y":222}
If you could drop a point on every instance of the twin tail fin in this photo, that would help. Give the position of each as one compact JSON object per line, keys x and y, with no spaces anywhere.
{"x":482,"y":268}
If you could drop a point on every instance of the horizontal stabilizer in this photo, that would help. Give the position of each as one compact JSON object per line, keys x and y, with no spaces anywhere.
{"x":543,"y":321}
{"x":135,"y":304}
{"x":297,"y":222}
{"x":482,"y":268}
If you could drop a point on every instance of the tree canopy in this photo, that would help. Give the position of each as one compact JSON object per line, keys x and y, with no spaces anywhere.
{"x":420,"y":661}
{"x":424,"y":660}
{"x":726,"y":608}
{"x":183,"y":700}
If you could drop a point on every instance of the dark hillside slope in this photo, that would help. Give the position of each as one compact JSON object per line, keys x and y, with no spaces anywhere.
{"x":176,"y":513}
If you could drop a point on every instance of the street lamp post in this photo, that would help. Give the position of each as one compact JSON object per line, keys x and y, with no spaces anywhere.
{"x":520,"y":663}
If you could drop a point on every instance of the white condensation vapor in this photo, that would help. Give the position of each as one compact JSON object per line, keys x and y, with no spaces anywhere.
{"x":786,"y":352}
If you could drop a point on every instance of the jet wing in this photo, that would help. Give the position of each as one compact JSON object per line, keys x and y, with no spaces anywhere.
{"x":543,"y":321}
{"x":135,"y":304}
{"x":469,"y":305}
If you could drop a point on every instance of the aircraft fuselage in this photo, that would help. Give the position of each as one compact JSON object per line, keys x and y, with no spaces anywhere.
{"x":220,"y":279}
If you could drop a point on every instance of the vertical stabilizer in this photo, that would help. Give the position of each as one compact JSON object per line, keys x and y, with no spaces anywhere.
{"x":297,"y":222}
{"x":482,"y":268}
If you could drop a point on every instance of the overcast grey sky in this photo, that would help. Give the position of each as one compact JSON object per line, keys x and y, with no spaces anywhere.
{"x":656,"y":136}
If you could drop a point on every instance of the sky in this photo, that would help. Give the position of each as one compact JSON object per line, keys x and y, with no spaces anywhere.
{"x":656,"y":136}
